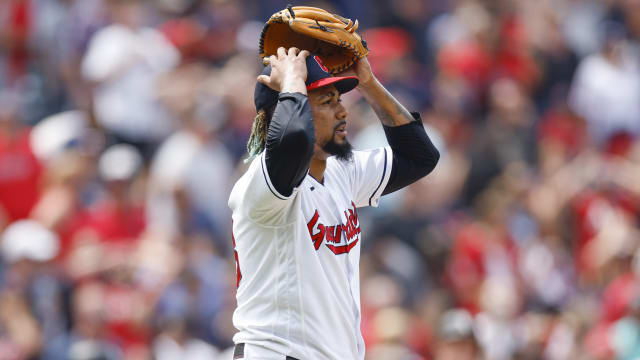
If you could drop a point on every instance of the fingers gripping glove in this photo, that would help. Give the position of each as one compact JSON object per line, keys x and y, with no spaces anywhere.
{"x":330,"y":36}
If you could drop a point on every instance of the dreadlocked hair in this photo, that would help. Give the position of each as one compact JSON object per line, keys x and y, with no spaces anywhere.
{"x":259,"y":129}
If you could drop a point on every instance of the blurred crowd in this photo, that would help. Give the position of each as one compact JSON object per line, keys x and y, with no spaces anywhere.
{"x":123,"y":126}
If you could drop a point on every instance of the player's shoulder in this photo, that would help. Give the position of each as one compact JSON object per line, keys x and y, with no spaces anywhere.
{"x":251,"y":169}
{"x":341,"y":165}
{"x":347,"y":167}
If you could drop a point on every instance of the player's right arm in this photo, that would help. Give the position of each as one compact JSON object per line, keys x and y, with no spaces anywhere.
{"x":290,"y":138}
{"x":266,"y":191}
{"x":414,"y":155}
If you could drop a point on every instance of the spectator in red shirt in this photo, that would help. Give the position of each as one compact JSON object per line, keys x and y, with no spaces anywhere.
{"x":20,"y":170}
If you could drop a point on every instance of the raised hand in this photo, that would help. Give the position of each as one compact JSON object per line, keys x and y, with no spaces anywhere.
{"x":362,"y":69}
{"x":288,"y":71}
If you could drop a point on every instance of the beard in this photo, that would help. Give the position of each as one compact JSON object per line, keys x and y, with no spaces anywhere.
{"x":341,"y":151}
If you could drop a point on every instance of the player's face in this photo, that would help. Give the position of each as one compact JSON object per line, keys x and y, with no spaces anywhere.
{"x":329,"y":118}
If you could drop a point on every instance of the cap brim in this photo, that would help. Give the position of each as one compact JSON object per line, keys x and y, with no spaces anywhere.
{"x":343,"y":84}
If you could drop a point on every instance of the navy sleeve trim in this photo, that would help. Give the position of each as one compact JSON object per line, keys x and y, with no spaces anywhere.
{"x":384,"y":172}
{"x":266,"y":180}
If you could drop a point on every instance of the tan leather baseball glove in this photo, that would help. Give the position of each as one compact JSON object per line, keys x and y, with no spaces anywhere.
{"x":330,"y":36}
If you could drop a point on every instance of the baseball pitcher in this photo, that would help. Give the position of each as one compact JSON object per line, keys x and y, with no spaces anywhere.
{"x":296,"y":231}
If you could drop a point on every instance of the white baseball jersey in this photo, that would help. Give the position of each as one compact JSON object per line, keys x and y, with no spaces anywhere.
{"x":298,"y":258}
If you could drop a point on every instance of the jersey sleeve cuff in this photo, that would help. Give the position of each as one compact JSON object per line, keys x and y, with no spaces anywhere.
{"x":386,"y":173}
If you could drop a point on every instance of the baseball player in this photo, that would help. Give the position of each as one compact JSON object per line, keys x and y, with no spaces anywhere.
{"x":296,"y":231}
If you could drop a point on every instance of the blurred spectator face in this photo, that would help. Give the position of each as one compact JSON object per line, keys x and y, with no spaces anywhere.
{"x":127,"y":12}
{"x":87,"y":310}
{"x":176,"y":6}
{"x":381,"y":291}
{"x":492,"y":207}
{"x":457,"y":340}
{"x":457,"y":350}
{"x":614,"y":48}
{"x":412,"y":10}
{"x":6,"y":117}
{"x":8,"y":108}
{"x":118,"y":166}
{"x":391,"y":324}
{"x":508,"y":101}
{"x":614,"y":36}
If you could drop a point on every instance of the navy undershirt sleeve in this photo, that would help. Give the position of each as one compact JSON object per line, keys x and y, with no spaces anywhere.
{"x":290,"y":141}
{"x":414,"y":155}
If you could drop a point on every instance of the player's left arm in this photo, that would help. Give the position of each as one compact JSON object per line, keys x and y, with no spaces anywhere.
{"x":414,"y":155}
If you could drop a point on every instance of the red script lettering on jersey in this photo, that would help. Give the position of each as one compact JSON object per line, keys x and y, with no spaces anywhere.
{"x":235,"y":254}
{"x":332,"y":234}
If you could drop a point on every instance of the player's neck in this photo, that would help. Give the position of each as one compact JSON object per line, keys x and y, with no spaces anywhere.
{"x":316,"y":168}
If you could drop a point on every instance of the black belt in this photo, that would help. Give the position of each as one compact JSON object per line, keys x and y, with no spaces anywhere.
{"x":238,"y":352}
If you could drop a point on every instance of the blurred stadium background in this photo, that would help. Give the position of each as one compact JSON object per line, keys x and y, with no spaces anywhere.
{"x":123,"y":125}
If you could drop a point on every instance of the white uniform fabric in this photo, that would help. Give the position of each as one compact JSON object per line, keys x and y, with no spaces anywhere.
{"x":127,"y":63}
{"x":298,"y":258}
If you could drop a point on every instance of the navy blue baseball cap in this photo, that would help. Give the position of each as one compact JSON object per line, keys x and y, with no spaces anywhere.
{"x":317,"y":77}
